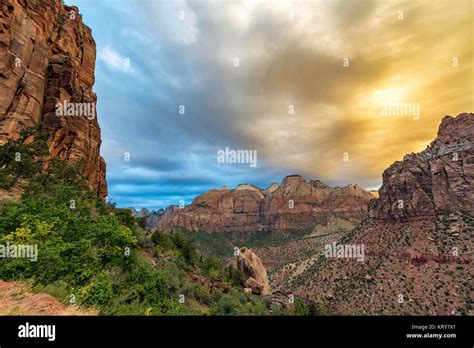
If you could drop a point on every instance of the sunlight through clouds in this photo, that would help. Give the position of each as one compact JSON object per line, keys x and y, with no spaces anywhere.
{"x":348,"y":69}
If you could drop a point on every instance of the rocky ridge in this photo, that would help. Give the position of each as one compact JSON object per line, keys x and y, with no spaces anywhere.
{"x":417,"y":256}
{"x":435,"y":181}
{"x":47,"y":62}
{"x":296,"y":204}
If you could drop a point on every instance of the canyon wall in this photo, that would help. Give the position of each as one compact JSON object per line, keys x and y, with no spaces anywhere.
{"x":437,"y":180}
{"x":47,"y":56}
{"x":296,"y":204}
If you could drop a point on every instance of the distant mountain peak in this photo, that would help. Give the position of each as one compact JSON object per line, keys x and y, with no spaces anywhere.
{"x":293,"y":205}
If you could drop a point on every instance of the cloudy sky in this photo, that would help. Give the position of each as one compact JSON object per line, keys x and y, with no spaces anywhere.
{"x":332,"y":90}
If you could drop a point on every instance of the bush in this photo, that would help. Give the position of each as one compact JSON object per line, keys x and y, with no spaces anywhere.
{"x":233,"y":275}
{"x":58,"y":289}
{"x":22,"y":158}
{"x":185,"y":247}
{"x":212,"y":267}
{"x":125,"y":217}
{"x":238,"y":303}
{"x":163,"y":240}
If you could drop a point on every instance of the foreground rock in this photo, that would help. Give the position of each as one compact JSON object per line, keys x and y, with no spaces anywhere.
{"x":255,"y":274}
{"x":47,"y":56}
{"x":16,"y":300}
{"x":296,"y":204}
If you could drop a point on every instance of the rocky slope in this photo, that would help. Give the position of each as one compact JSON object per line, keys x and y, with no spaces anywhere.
{"x":417,"y":257}
{"x":15,"y":299}
{"x":296,"y":204}
{"x":47,"y":57}
{"x":438,"y":180}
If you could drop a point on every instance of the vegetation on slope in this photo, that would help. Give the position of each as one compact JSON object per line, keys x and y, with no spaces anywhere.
{"x":96,"y":255}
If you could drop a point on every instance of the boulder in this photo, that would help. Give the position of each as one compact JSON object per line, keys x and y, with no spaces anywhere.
{"x":255,"y":274}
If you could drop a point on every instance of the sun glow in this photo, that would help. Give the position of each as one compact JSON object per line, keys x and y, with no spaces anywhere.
{"x":387,"y":95}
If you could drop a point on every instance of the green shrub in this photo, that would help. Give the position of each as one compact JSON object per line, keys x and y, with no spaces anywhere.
{"x":163,"y":240}
{"x":233,"y":275}
{"x":58,"y":289}
{"x":186,"y":247}
{"x":212,"y":267}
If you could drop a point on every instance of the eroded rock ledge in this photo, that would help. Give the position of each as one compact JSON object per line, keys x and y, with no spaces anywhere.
{"x":47,"y":56}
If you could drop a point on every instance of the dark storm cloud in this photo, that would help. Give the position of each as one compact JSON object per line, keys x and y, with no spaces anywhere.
{"x":150,"y":62}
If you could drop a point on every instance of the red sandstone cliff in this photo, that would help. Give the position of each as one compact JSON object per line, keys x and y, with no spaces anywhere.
{"x":47,"y":56}
{"x":417,"y":255}
{"x":434,"y":181}
{"x":296,"y":204}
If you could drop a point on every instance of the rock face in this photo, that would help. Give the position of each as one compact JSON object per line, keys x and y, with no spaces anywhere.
{"x":294,"y":205}
{"x":254,"y":272}
{"x":434,"y":181}
{"x":420,"y":253}
{"x":47,"y":57}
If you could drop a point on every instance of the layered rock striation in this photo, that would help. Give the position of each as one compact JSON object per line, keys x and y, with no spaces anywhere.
{"x":47,"y":62}
{"x":296,"y":204}
{"x":418,"y":245}
{"x":435,"y":181}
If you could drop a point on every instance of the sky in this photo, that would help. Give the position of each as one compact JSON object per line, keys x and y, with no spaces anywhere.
{"x":332,"y":90}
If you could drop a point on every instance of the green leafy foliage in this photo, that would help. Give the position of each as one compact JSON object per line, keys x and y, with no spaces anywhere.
{"x":100,"y":255}
{"x":22,"y":158}
{"x":234,"y":275}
